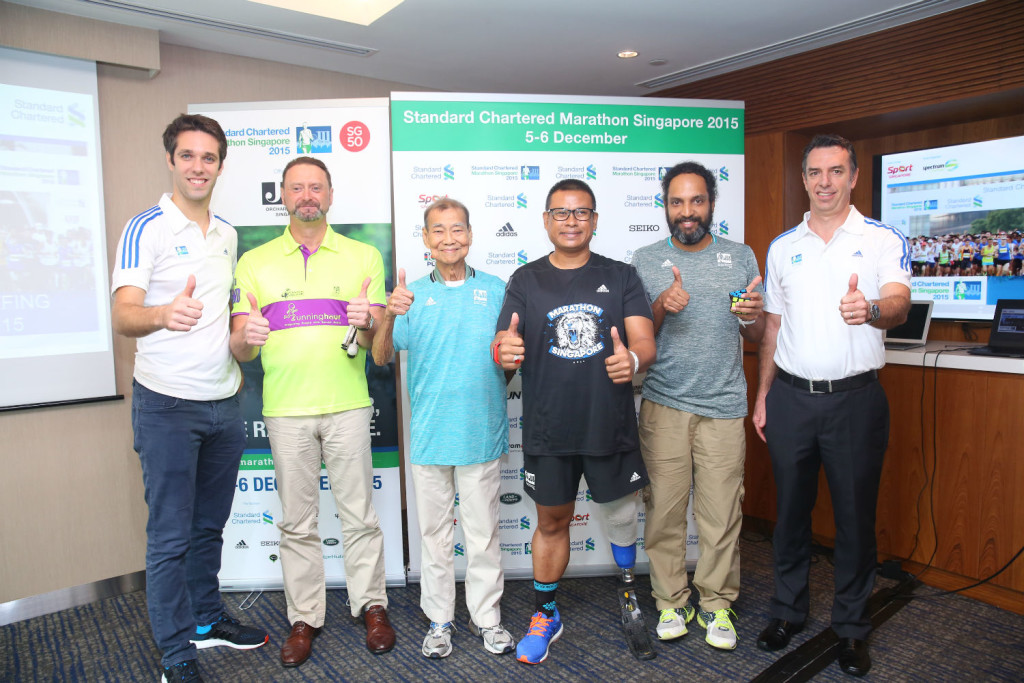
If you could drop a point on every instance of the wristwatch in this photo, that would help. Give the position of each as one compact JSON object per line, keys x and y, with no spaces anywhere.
{"x":876,"y":313}
{"x":370,"y":326}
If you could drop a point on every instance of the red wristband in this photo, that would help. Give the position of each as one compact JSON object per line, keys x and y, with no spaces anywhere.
{"x":497,"y":358}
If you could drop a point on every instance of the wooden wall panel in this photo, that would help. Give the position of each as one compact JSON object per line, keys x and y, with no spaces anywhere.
{"x":973,"y":51}
{"x":963,"y":436}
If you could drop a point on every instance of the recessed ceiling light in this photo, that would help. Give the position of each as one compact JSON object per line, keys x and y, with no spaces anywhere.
{"x":362,"y":12}
{"x":658,"y":62}
{"x":628,"y":54}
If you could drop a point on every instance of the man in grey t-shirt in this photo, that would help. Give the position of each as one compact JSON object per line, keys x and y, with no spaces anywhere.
{"x":694,"y":402}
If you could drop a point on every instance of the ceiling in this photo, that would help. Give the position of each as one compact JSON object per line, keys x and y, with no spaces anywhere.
{"x":564,"y":47}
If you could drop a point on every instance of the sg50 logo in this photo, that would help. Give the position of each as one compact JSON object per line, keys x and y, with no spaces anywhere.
{"x":354,"y":136}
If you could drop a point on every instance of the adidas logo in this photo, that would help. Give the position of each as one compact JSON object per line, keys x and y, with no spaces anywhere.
{"x":241,"y":545}
{"x":506,"y":231}
{"x":857,"y":253}
{"x":635,"y":477}
{"x":602,"y":290}
{"x":430,"y":301}
{"x":666,"y":264}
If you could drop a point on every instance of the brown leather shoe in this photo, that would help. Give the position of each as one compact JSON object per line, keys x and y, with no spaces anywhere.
{"x":299,"y":645}
{"x":380,"y":637}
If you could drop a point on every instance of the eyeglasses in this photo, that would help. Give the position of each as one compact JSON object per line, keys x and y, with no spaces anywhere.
{"x":563,"y":214}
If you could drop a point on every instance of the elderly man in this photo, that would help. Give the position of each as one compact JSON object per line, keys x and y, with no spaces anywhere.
{"x":297,"y":298}
{"x":459,"y":424}
{"x":832,"y":285}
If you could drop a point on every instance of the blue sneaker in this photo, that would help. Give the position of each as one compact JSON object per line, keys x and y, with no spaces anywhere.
{"x":544,"y":630}
{"x":229,"y":633}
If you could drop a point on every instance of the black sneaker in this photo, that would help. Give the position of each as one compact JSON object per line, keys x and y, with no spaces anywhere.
{"x":229,"y":633}
{"x":182,"y":672}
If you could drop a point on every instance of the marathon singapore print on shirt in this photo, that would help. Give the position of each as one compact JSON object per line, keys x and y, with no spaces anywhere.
{"x":570,"y":406}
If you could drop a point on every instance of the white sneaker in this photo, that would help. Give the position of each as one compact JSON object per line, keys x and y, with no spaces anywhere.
{"x":721,"y":632}
{"x":496,"y":639}
{"x":438,"y":641}
{"x":672,"y":622}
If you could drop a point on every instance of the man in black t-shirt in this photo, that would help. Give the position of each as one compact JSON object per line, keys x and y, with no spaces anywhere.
{"x":580,"y":326}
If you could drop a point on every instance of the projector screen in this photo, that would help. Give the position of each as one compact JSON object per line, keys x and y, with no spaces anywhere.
{"x":962,"y":208}
{"x":55,"y":344}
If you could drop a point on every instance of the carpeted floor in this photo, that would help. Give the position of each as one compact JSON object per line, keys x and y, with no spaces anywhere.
{"x":947,"y":639}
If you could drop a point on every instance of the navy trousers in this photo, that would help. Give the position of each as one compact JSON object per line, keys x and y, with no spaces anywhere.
{"x":847,"y":432}
{"x":190,"y":451}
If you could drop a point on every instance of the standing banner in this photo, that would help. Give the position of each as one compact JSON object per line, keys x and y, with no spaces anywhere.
{"x":352,"y":138}
{"x":500,"y":154}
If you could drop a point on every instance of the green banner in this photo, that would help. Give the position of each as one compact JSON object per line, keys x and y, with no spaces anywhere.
{"x":260,"y":459}
{"x":559,"y":126}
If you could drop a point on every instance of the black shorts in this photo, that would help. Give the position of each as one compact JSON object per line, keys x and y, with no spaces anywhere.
{"x":555,"y":479}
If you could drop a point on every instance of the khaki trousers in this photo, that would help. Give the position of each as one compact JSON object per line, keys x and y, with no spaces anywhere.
{"x":342,"y":442}
{"x":478,"y":487}
{"x":679,"y":447}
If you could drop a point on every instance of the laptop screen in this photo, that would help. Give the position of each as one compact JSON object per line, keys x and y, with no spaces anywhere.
{"x":915,"y":330}
{"x":1008,"y":326}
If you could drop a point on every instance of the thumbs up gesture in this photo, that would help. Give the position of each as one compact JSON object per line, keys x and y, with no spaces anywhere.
{"x":401,"y":298}
{"x":675,"y":298}
{"x":511,"y":346}
{"x":854,"y":308}
{"x":359,"y":308}
{"x":183,"y":312}
{"x":257,"y":328}
{"x":619,"y":365}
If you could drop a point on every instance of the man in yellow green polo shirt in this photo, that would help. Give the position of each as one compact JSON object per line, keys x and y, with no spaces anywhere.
{"x":295,"y":300}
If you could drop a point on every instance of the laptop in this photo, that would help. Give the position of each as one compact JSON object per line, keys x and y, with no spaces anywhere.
{"x":914,"y":332}
{"x":1007,"y":336}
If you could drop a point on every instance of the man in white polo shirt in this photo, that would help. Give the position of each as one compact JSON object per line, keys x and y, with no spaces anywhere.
{"x":171,"y":287}
{"x":832,"y":285}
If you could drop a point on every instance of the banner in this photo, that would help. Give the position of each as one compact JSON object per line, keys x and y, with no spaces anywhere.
{"x":352,"y":138}
{"x":499,"y":155}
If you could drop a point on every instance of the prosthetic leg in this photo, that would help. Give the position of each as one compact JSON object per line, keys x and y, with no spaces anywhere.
{"x":620,"y":525}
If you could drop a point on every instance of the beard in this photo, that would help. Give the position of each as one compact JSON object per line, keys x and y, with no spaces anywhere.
{"x":307,"y":218}
{"x":698,"y":233}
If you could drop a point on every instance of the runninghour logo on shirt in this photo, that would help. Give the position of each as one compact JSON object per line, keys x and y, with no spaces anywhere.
{"x":283,"y":315}
{"x":576,"y":331}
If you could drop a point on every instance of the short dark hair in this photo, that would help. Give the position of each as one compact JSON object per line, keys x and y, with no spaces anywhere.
{"x":443,"y":204}
{"x":188,"y":122}
{"x":696,"y":169}
{"x":570,"y":185}
{"x":829,"y":140}
{"x":306,"y":160}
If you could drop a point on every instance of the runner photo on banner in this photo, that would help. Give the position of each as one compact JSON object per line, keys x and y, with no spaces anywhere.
{"x":499,"y":155}
{"x":352,"y":138}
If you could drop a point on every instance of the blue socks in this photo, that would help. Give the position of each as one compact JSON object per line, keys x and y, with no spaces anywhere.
{"x":544,"y":597}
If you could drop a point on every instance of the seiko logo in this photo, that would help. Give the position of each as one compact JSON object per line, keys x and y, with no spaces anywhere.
{"x":330,"y":541}
{"x":510,"y":498}
{"x":644,"y":227}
